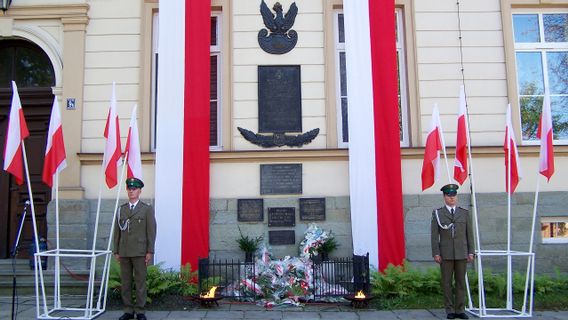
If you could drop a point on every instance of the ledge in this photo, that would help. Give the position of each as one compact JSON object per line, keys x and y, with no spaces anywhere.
{"x":325,"y":154}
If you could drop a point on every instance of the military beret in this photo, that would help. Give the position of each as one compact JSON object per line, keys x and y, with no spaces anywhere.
{"x":134,"y":183}
{"x":450,"y":189}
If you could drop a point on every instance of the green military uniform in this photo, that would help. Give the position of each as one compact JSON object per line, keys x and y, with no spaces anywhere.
{"x":134,"y":237}
{"x":452,"y":239}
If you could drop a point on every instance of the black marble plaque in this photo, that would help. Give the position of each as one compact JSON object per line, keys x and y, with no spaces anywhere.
{"x":282,"y":217}
{"x":250,"y":210}
{"x":279,"y":99}
{"x":280,"y":178}
{"x":281,"y":237}
{"x":312,"y":209}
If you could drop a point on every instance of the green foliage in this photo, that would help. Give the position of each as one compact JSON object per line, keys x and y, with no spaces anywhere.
{"x":329,"y":245}
{"x":249,"y":244}
{"x":404,"y":287}
{"x":159,"y":282}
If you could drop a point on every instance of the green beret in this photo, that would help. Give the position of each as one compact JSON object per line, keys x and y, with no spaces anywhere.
{"x":450,"y":189}
{"x":134,"y":183}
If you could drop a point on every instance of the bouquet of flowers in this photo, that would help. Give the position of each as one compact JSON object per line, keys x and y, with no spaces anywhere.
{"x":314,"y":237}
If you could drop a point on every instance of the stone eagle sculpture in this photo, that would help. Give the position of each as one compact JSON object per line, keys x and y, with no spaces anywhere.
{"x":281,"y":39}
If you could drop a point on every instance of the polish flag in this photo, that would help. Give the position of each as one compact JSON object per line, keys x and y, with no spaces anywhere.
{"x":544,"y":133}
{"x":113,"y":152}
{"x":17,"y":132}
{"x":510,"y":147}
{"x":133,"y":149}
{"x":55,"y":149}
{"x":460,"y":163}
{"x":375,"y":179}
{"x":431,"y":164}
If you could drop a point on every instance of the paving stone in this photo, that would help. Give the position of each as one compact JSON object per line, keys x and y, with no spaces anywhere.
{"x":374,"y":314}
{"x":339,"y":315}
{"x":262,"y":314}
{"x":224,"y":315}
{"x":414,"y":314}
{"x":294,"y":315}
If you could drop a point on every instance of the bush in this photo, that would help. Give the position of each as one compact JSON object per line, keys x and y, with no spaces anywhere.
{"x":159,"y":282}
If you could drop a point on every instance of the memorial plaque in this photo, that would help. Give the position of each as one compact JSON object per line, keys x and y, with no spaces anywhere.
{"x":281,"y":237}
{"x":280,"y":178}
{"x":281,"y":217}
{"x":312,"y":209}
{"x":279,"y":99}
{"x":250,"y":210}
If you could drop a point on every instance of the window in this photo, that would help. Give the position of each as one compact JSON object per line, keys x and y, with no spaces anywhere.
{"x":154,"y":81}
{"x":215,"y":83}
{"x":341,"y":80}
{"x":554,"y":229}
{"x":541,"y":52}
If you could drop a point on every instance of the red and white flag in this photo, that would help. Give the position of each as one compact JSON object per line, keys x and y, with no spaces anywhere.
{"x":113,"y":151}
{"x":133,"y":149}
{"x":511,"y":156}
{"x":16,"y":133}
{"x":460,"y":163}
{"x":434,"y":143}
{"x":545,"y":134}
{"x":55,"y":157}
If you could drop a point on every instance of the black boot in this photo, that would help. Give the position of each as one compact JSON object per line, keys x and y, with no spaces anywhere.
{"x":126,"y":316}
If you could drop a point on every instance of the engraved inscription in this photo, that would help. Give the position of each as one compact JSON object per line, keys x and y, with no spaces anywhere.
{"x":250,"y":210}
{"x":281,"y":237}
{"x":312,"y":209}
{"x":280,"y":178}
{"x":279,"y":99}
{"x":282,"y":217}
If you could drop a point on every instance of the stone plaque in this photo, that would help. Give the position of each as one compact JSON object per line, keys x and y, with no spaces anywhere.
{"x":279,"y":99}
{"x":312,"y":209}
{"x":280,"y":178}
{"x":282,"y":217}
{"x":250,"y":210}
{"x":281,"y":237}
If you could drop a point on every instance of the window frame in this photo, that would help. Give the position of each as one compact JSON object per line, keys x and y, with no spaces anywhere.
{"x":154,"y":81}
{"x":216,"y":50}
{"x":550,"y":220}
{"x":512,"y":8}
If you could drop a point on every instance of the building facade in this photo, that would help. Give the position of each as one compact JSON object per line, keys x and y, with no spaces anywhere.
{"x":506,"y":51}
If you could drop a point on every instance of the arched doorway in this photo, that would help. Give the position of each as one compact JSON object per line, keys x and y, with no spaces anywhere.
{"x":27,"y":64}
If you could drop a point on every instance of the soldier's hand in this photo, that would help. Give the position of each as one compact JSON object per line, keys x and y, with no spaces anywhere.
{"x":438,"y":259}
{"x":148,"y":258}
{"x":470,"y":258}
{"x":117,"y":257}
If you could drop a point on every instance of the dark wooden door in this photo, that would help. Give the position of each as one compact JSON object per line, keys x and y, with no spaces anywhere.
{"x":25,"y":63}
{"x":36,"y":104}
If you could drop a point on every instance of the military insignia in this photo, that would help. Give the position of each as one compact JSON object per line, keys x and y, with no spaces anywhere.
{"x":278,"y":139}
{"x":281,"y":38}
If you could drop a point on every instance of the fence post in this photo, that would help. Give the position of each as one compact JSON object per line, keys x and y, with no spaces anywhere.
{"x":202,"y":272}
{"x":361,"y":276}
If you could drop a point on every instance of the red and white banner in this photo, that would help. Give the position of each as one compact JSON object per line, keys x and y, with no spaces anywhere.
{"x":132,"y":149}
{"x":431,"y":162}
{"x":512,"y":163}
{"x":113,"y":151}
{"x":460,"y":163}
{"x":55,"y":158}
{"x":182,"y":154}
{"x":374,"y":142}
{"x":15,"y":135}
{"x":545,"y":134}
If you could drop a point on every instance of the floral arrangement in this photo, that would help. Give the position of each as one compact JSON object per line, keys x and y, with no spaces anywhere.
{"x":314,"y":238}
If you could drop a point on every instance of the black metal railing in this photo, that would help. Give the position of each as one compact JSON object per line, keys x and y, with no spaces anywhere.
{"x":331,"y":278}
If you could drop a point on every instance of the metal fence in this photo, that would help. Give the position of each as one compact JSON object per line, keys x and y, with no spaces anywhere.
{"x":331,"y":278}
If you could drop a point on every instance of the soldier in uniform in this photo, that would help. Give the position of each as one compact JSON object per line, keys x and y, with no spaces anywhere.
{"x":134,"y":239}
{"x":452,"y":248}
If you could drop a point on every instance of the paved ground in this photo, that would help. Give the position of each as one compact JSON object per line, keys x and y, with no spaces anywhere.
{"x":26,"y":311}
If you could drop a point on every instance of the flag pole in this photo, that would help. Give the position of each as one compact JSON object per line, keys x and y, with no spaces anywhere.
{"x":57,"y":289}
{"x":36,"y":240}
{"x":509,"y":153}
{"x":437,"y":110}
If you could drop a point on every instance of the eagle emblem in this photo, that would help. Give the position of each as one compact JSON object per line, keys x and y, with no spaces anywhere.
{"x":279,"y":139}
{"x":281,"y":39}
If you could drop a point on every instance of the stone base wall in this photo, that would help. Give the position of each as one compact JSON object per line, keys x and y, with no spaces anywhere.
{"x":77,"y":219}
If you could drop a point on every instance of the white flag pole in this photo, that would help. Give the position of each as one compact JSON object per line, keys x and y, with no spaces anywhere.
{"x":443,"y":142}
{"x":509,"y":155}
{"x":36,"y":240}
{"x":57,"y":289}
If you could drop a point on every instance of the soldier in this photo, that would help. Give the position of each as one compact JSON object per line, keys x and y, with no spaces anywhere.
{"x":452,"y":248}
{"x":134,"y":239}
